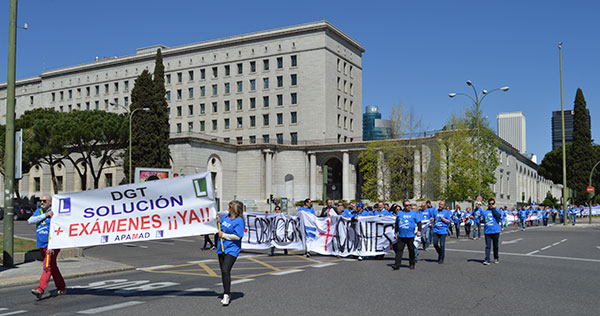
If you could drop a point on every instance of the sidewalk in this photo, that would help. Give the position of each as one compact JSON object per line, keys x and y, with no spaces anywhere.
{"x":30,"y":272}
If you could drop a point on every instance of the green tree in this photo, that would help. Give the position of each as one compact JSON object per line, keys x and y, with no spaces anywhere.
{"x":467,"y":152}
{"x":550,"y":201}
{"x":551,"y":166}
{"x":150,"y":129}
{"x":43,"y":140}
{"x":160,"y":110}
{"x":582,"y":155}
{"x":97,"y":137}
{"x":387,"y":168}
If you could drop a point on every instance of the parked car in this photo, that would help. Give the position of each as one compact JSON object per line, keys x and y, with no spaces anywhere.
{"x":23,"y":212}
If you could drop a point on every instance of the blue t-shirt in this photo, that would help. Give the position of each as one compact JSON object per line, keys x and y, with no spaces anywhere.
{"x":234,"y":226}
{"x":468,"y":219}
{"x":457,"y":216}
{"x":348,"y":213}
{"x":440,"y":227}
{"x":406,"y":222}
{"x":476,"y":215}
{"x":385,"y":213}
{"x":492,"y":224}
{"x":364,"y":213}
{"x":309,"y":210}
{"x":42,"y":229}
{"x":522,"y":214}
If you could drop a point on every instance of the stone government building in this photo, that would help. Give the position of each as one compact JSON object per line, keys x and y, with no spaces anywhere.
{"x":264,"y":112}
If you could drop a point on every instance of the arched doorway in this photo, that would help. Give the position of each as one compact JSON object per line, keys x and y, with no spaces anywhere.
{"x":215,"y":167}
{"x":332,"y":179}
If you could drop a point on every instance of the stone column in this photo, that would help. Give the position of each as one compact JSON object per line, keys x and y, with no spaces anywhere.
{"x":268,"y":173}
{"x":313,"y":175}
{"x":346,"y":176}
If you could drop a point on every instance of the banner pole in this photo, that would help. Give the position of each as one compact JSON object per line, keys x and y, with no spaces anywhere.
{"x":221,"y":238}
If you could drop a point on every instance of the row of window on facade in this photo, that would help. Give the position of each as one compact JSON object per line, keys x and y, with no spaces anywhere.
{"x":345,"y":68}
{"x":347,"y":87}
{"x":60,"y":186}
{"x":266,"y":102}
{"x":227,"y":87}
{"x":88,"y":91}
{"x":88,"y":105}
{"x":240,"y":122}
{"x":227,"y":69}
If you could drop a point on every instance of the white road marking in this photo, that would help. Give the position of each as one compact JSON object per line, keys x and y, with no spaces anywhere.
{"x":237,"y":281}
{"x":546,"y":247}
{"x":526,"y":255}
{"x":533,"y":252}
{"x":200,"y":261}
{"x":186,"y":292}
{"x":246,"y":256}
{"x":132,"y":245}
{"x":323,"y":265}
{"x":287,"y":272}
{"x":3,"y":308}
{"x":512,"y":241}
{"x":156,"y":267}
{"x":109,"y":307}
{"x":12,"y":313}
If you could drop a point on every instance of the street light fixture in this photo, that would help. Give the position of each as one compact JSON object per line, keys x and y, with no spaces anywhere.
{"x":130,"y":114}
{"x":477,"y":99}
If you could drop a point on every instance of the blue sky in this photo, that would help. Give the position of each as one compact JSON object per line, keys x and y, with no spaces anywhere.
{"x":416,"y":51}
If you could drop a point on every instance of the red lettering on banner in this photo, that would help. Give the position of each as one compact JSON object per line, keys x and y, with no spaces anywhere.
{"x":133,"y":225}
{"x":207,"y":215}
{"x":156,"y":220}
{"x":194,"y":216}
{"x":202,"y":214}
{"x":121,"y":225}
{"x":58,"y":231}
{"x":108,"y":227}
{"x":73,"y":230}
{"x":84,"y":229}
{"x":182,"y":218}
{"x":145,"y":222}
{"x":328,"y":233}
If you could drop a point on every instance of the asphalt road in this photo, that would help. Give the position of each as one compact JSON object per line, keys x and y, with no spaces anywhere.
{"x":542,"y":271}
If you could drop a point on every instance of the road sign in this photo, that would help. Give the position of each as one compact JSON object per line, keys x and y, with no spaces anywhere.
{"x":479,"y":198}
{"x":590,"y":189}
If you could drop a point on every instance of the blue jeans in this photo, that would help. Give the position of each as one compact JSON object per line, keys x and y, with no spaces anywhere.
{"x":477,"y":227}
{"x":439,"y":242}
{"x":425,"y":236}
{"x":522,"y":223}
{"x":489,"y":240}
{"x":573,"y":216}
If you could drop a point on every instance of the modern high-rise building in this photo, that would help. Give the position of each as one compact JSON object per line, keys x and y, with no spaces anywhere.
{"x":375,"y":128}
{"x":512,"y":128}
{"x":557,"y":127}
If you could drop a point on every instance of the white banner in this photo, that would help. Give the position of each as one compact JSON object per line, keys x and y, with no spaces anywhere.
{"x":272,"y":230}
{"x":168,"y":208}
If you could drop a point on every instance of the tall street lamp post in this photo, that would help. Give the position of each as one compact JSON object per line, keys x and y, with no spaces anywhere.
{"x":592,"y":193}
{"x":130,"y":114}
{"x":564,"y":147}
{"x":477,"y":98}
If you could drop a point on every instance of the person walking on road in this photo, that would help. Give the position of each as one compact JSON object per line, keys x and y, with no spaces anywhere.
{"x":406,"y":222}
{"x":491,"y":219}
{"x":285,"y":251}
{"x":441,"y":220}
{"x":229,"y":244}
{"x":41,"y":218}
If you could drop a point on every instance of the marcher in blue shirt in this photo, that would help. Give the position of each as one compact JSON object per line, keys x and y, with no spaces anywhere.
{"x":522,"y":217}
{"x":491,"y":219}
{"x":468,"y":220}
{"x":561,"y":215}
{"x":307,"y":207}
{"x":457,"y":218}
{"x":424,"y":212}
{"x":428,"y":233}
{"x":545,"y":214}
{"x":230,"y":244}
{"x":573,"y":214}
{"x":406,"y":222}
{"x":477,"y":222}
{"x":441,"y":221}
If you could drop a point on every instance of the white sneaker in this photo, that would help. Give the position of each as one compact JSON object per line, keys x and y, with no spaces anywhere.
{"x":225,"y":300}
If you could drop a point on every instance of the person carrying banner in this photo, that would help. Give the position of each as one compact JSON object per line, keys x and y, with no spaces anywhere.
{"x":406,"y":221}
{"x":307,"y":207}
{"x":476,"y":221}
{"x":285,"y":251}
{"x":457,"y":218}
{"x":491,"y":219}
{"x":328,"y":209}
{"x":468,"y":219}
{"x":231,"y":231}
{"x":41,"y":218}
{"x":441,"y":220}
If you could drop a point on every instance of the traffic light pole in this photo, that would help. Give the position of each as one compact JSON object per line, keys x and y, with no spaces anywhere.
{"x":592,"y":193}
{"x":9,"y":158}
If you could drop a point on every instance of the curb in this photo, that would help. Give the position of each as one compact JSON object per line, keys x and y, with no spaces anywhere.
{"x":35,"y":279}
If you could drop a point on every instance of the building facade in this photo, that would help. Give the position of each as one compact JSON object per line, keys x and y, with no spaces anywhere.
{"x":273,"y":112}
{"x":512,"y":128}
{"x":375,"y":128}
